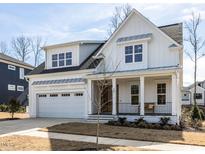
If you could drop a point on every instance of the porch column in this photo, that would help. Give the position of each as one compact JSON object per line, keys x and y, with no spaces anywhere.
{"x":174,"y":93}
{"x":89,"y":96}
{"x":114,"y":99}
{"x":142,"y":95}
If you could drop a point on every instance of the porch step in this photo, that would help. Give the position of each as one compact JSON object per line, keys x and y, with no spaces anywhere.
{"x":101,"y":118}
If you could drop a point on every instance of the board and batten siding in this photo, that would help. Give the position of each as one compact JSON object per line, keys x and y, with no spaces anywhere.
{"x":156,"y":52}
{"x":125,"y":105}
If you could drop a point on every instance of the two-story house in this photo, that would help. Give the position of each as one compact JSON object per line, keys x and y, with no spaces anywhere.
{"x":141,"y":62}
{"x":12,"y":81}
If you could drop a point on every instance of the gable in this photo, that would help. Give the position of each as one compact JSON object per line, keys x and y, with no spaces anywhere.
{"x":136,"y":29}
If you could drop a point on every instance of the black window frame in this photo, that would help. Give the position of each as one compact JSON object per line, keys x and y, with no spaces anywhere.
{"x":161,"y":93}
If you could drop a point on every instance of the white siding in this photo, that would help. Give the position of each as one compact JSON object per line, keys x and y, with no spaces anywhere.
{"x":156,"y":51}
{"x":72,"y":48}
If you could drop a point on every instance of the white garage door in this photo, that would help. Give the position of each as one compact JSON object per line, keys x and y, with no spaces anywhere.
{"x":61,"y":105}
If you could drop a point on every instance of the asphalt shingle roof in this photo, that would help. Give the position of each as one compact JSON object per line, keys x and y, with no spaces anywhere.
{"x":13,"y":60}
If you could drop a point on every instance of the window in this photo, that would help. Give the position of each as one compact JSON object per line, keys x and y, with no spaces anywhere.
{"x":20,"y":88}
{"x":78,"y":94}
{"x":134,"y":94}
{"x":11,"y":87}
{"x":128,"y":54}
{"x":198,"y":96}
{"x":54,"y":60}
{"x":65,"y":95}
{"x":11,"y":67}
{"x":42,"y":95}
{"x":53,"y":95}
{"x":61,"y":59}
{"x":69,"y":58}
{"x":21,"y":73}
{"x":161,"y":93}
{"x":138,"y":53}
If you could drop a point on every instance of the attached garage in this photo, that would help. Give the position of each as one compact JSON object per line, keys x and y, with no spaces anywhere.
{"x":61,"y":105}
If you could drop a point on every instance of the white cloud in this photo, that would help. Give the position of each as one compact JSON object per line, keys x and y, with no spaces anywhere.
{"x":187,"y":13}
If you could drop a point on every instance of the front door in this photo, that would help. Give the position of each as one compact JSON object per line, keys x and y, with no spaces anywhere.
{"x":107,"y":100}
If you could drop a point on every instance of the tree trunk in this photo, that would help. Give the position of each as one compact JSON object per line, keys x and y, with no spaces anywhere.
{"x":98,"y":128}
{"x":12,"y":115}
{"x":195,"y":69}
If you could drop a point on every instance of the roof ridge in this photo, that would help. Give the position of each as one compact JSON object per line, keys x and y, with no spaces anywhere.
{"x":168,"y":25}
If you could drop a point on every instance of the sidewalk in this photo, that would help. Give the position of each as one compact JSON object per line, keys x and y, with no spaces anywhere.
{"x":111,"y":141}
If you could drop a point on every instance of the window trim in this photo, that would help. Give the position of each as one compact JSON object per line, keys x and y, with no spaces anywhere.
{"x":54,"y":60}
{"x":11,"y":89}
{"x":21,"y":73}
{"x":133,"y":53}
{"x":134,"y":94}
{"x":18,"y":86}
{"x":162,"y":82}
{"x":12,"y":67}
{"x":64,"y":59}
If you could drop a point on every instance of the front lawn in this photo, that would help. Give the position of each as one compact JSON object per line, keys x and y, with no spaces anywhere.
{"x":167,"y":136}
{"x":7,"y":116}
{"x":28,"y":143}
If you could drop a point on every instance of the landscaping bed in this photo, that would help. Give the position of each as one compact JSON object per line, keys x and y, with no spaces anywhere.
{"x":27,"y":143}
{"x":122,"y":132}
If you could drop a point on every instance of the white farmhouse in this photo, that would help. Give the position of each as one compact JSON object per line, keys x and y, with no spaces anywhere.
{"x":143,"y":63}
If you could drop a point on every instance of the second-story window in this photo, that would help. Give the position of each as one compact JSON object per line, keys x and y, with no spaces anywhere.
{"x":54,"y":60}
{"x":61,"y":59}
{"x":133,"y":56}
{"x":128,"y":54}
{"x":138,"y":53}
{"x":69,"y":58}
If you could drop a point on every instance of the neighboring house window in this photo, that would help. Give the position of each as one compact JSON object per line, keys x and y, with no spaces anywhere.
{"x":138,"y":53}
{"x":20,"y":88}
{"x":21,"y":73}
{"x":54,"y":60}
{"x":134,"y":94}
{"x":198,"y":96}
{"x":11,"y":87}
{"x":68,"y":58}
{"x":161,"y":93}
{"x":61,"y":59}
{"x":128,"y":54}
{"x":11,"y":67}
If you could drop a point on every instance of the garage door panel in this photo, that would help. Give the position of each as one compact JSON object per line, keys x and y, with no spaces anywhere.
{"x":62,"y":106}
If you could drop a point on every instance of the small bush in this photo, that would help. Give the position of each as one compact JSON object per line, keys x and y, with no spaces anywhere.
{"x":122,"y":120}
{"x":3,"y":108}
{"x":22,"y":109}
{"x":164,"y":120}
{"x":13,"y":106}
{"x":141,"y":119}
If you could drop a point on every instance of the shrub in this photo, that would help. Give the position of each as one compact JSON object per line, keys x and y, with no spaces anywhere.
{"x":3,"y":108}
{"x":164,"y":120}
{"x":13,"y":106}
{"x":122,"y":120}
{"x":22,"y":109}
{"x":141,"y":119}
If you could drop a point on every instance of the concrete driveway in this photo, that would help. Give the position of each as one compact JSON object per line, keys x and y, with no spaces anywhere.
{"x":20,"y":125}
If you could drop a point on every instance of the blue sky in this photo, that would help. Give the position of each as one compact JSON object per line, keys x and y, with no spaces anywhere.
{"x":58,"y":23}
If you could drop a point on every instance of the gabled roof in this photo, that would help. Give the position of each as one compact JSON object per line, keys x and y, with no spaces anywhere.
{"x":13,"y":60}
{"x":134,"y":11}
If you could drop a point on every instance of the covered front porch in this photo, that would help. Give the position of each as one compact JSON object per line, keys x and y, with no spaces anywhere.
{"x":147,"y":95}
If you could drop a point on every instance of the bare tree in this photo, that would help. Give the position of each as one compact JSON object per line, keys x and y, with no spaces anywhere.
{"x":196,"y":43}
{"x":119,"y":14}
{"x":3,"y":47}
{"x":102,"y":84}
{"x":21,"y":46}
{"x":36,"y":44}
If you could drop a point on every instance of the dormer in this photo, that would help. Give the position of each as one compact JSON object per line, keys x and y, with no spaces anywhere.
{"x":70,"y":54}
